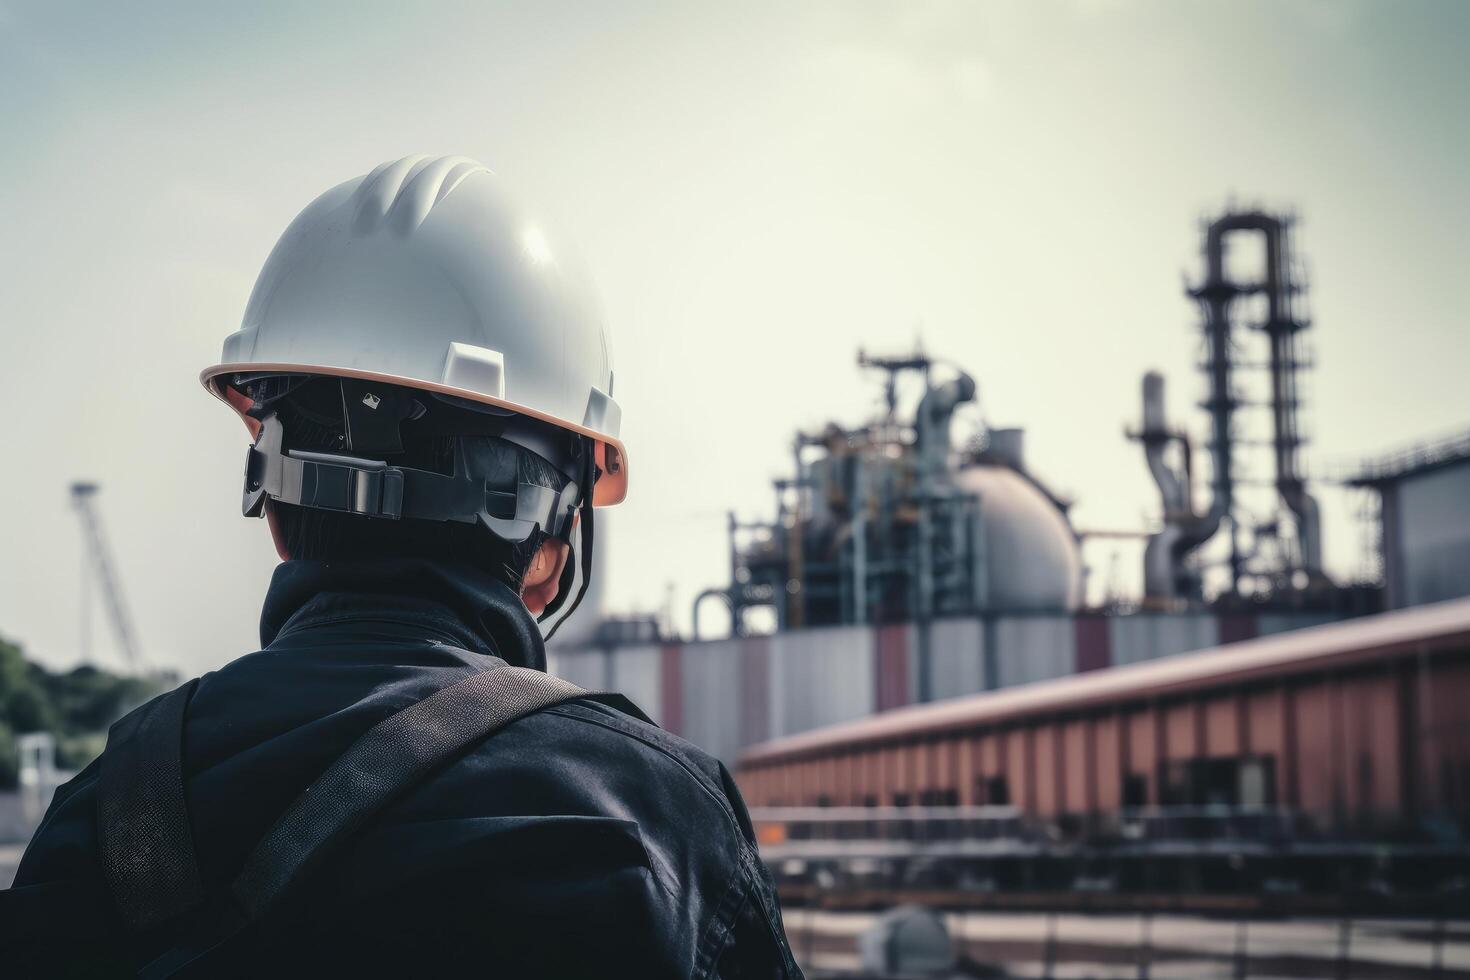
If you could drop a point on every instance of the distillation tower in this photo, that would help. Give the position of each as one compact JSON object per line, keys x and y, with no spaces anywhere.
{"x":1273,"y":552}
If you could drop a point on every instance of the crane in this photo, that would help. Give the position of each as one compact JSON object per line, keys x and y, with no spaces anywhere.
{"x":98,"y":562}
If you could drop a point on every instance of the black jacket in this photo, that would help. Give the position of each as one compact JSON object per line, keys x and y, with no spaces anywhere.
{"x":579,"y":841}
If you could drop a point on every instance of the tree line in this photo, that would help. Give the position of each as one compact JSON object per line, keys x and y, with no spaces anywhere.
{"x":76,"y":706}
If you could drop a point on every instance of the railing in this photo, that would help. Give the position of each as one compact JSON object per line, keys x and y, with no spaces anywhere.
{"x":1227,"y":860}
{"x":1212,"y":823}
{"x":1052,"y":945}
{"x":1446,"y":449}
{"x":1203,"y":824}
{"x":777,"y":825}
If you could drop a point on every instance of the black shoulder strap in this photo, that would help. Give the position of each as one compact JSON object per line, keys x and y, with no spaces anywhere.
{"x":382,"y":764}
{"x":149,"y":852}
{"x":142,"y":821}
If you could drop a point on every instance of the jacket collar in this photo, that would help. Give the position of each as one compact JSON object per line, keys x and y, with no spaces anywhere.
{"x":450,"y":601}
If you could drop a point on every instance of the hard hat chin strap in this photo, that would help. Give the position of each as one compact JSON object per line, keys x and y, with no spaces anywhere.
{"x":373,"y":488}
{"x":569,"y":571}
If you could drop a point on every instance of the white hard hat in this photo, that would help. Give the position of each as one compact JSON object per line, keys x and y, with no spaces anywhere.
{"x":425,"y":273}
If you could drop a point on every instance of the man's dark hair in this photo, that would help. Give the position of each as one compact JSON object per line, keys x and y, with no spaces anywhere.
{"x":323,"y":535}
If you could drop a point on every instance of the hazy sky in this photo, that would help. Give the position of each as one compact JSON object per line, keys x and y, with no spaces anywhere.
{"x":760,"y":188}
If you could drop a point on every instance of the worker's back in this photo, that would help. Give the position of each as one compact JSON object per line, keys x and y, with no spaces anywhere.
{"x":578,"y":841}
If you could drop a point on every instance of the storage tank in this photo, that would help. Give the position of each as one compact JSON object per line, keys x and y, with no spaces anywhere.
{"x":1030,"y":558}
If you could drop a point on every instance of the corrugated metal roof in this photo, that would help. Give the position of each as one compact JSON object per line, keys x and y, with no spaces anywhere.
{"x":1413,"y":460}
{"x":1299,"y":651}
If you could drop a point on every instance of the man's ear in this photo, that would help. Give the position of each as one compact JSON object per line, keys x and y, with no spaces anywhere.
{"x":542,"y":580}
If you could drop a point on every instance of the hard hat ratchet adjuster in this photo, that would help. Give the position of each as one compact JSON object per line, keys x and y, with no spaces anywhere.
{"x":374,"y":488}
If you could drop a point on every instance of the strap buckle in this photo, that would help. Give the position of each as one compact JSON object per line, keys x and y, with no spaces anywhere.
{"x":367,"y":487}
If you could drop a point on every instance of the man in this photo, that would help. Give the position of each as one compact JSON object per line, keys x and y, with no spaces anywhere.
{"x":389,"y":787}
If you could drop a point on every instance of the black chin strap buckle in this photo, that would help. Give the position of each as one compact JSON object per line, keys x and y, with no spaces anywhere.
{"x":368,"y":487}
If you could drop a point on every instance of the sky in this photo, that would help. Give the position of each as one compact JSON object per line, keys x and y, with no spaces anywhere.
{"x":760,"y":189}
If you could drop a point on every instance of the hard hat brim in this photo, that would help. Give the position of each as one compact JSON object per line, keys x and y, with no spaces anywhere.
{"x":610,"y":489}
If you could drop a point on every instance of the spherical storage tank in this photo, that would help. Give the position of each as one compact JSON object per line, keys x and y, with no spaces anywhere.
{"x":1032,"y":562}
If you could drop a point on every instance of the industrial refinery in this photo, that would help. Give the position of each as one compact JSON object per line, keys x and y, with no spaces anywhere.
{"x":835,"y":490}
{"x":937,"y":559}
{"x":912,"y":655}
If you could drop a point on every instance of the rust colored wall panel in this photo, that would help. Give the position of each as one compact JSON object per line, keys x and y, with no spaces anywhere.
{"x":901,"y":769}
{"x":1222,"y":726}
{"x":1142,"y":739}
{"x":991,"y":755}
{"x":1264,"y":708}
{"x":1312,"y":710}
{"x":759,"y":788}
{"x":1445,"y":727}
{"x":1370,"y":738}
{"x":967,"y":768}
{"x":944,"y":753}
{"x":1264,"y":721}
{"x":841,"y":776}
{"x":870,"y":782}
{"x":749,"y":781}
{"x":829,"y":780}
{"x":894,"y":775}
{"x":1017,"y":771}
{"x":1386,"y":738}
{"x":1077,"y":768}
{"x":1180,"y":734}
{"x":1010,"y":756}
{"x":1043,"y":770}
{"x":1108,"y":775}
{"x":923,"y":756}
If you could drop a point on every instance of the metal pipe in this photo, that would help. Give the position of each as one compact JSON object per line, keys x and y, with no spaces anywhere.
{"x":1165,"y":575}
{"x":721,"y":594}
{"x":936,"y":409}
{"x":1155,"y":436}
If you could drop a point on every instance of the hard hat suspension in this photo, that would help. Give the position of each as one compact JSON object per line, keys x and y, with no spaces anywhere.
{"x":354,"y":482}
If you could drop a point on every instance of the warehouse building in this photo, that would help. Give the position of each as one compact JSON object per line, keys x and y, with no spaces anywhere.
{"x":1351,"y":723}
{"x":1424,"y":514}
